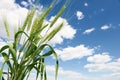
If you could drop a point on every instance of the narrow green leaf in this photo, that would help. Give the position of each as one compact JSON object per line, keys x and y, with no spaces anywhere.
{"x":7,"y":60}
{"x":46,"y":54}
{"x":1,"y":72}
{"x":4,"y":48}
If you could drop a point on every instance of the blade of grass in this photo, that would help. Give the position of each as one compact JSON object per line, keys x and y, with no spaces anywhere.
{"x":1,"y":72}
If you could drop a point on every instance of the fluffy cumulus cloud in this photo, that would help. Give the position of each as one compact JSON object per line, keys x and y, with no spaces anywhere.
{"x":99,"y":58}
{"x":66,"y":74}
{"x":102,"y":63}
{"x":77,"y":52}
{"x":79,"y":15}
{"x":13,"y":13}
{"x":15,"y":16}
{"x":73,"y":75}
{"x":88,"y":31}
{"x":105,"y":27}
{"x":67,"y":32}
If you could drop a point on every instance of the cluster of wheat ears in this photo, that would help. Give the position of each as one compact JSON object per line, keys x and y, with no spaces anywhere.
{"x":21,"y":59}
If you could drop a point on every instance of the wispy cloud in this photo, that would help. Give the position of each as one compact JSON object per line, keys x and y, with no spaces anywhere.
{"x":77,"y":52}
{"x":79,"y":15}
{"x":102,"y":9}
{"x":105,"y":27}
{"x":119,"y":25}
{"x":88,"y":31}
{"x":85,"y":4}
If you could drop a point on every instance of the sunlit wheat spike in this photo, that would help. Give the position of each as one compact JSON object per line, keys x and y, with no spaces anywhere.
{"x":52,"y":33}
{"x":31,"y":15}
{"x":22,"y":58}
{"x":6,"y":27}
{"x":37,"y":25}
{"x":58,"y":15}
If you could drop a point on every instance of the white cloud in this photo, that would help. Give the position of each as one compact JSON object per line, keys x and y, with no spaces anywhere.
{"x":73,"y":75}
{"x":88,"y":31}
{"x":65,"y":74}
{"x":77,"y":52}
{"x":2,"y":43}
{"x":105,"y":27}
{"x":112,"y":66}
{"x":13,"y":13}
{"x":79,"y":15}
{"x":67,"y":32}
{"x":85,"y":4}
{"x":16,"y":15}
{"x":99,"y":58}
{"x":24,"y":3}
{"x":114,"y":75}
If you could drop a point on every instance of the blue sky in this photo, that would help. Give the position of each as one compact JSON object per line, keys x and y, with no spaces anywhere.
{"x":88,"y":45}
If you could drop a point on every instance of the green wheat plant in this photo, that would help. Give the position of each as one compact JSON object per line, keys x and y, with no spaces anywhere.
{"x":21,"y":57}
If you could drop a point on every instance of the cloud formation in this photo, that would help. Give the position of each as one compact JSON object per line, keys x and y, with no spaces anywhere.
{"x":74,"y":75}
{"x":24,"y":3}
{"x":102,"y":63}
{"x":77,"y":52}
{"x":85,"y":4}
{"x":15,"y":16}
{"x":67,"y":32}
{"x":105,"y":27}
{"x":79,"y":15}
{"x":13,"y":13}
{"x":88,"y":31}
{"x":99,"y":58}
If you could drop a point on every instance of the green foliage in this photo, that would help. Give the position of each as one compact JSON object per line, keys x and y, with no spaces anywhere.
{"x":30,"y":55}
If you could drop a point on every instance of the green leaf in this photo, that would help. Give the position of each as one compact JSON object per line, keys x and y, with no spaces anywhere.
{"x":47,"y":54}
{"x":1,"y":71}
{"x":4,"y":48}
{"x":7,"y":60}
